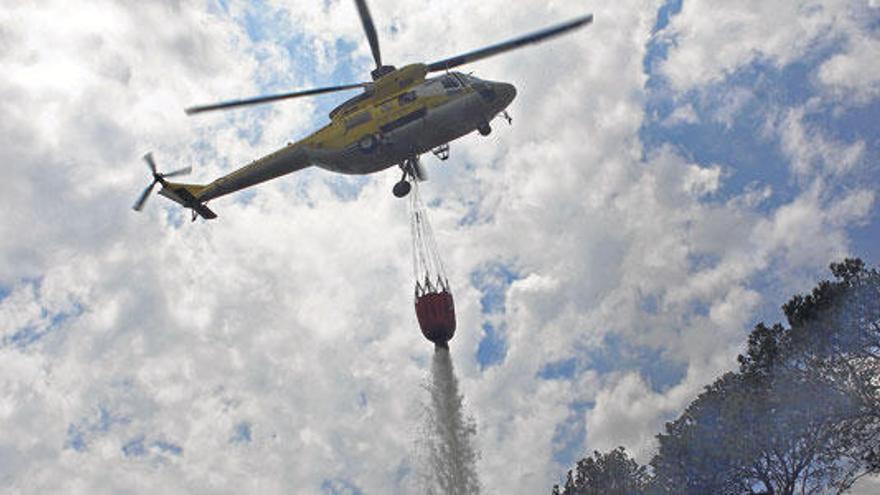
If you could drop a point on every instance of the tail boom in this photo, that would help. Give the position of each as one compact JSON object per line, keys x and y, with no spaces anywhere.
{"x":194,"y":196}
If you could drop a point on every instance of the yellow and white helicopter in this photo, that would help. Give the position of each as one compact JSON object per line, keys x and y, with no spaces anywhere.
{"x":399,"y":116}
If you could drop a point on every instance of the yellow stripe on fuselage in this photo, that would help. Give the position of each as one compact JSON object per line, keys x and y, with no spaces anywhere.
{"x":345,"y":131}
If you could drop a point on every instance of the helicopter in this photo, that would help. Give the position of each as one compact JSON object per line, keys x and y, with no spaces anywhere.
{"x":399,"y":116}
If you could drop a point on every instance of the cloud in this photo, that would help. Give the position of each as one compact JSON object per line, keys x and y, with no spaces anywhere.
{"x":851,"y":74}
{"x":277,"y":346}
{"x":811,"y":152}
{"x":626,"y":413}
{"x":710,"y":42}
{"x":684,"y":114}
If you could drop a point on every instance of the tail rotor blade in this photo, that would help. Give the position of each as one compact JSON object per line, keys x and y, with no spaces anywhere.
{"x":150,"y":163}
{"x":183,"y":171}
{"x":142,"y":200}
{"x":370,"y":29}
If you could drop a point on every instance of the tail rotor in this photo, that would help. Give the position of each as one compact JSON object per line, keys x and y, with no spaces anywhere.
{"x":158,"y":178}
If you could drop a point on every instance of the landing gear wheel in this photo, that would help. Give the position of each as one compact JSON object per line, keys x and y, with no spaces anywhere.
{"x":485,"y":129}
{"x":401,"y":189}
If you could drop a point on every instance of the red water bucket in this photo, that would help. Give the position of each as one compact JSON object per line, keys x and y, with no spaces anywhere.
{"x":436,"y":314}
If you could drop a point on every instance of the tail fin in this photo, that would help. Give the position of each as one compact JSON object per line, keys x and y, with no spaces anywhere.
{"x":187,"y":195}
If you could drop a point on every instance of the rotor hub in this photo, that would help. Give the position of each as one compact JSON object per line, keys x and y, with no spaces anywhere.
{"x":382,"y":71}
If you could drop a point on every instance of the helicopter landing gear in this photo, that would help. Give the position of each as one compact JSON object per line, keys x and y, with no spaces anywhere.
{"x":412,"y":170}
{"x":485,"y":129}
{"x":401,"y":189}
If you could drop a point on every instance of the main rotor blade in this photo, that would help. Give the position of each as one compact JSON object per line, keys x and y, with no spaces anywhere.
{"x":370,"y":29}
{"x":489,"y":51}
{"x":150,"y":163}
{"x":139,"y":204}
{"x":266,"y":99}
{"x":183,"y":171}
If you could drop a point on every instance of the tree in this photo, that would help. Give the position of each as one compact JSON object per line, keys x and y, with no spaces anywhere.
{"x":749,"y":433}
{"x":835,"y":339}
{"x":614,"y":473}
{"x":801,"y":415}
{"x":836,"y":331}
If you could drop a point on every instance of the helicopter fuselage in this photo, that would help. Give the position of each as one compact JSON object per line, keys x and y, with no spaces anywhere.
{"x":405,"y":125}
{"x":399,"y":120}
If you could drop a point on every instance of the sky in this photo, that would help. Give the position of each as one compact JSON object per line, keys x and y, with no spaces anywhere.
{"x":674,"y":173}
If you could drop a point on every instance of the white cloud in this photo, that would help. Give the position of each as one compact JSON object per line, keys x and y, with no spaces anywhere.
{"x":684,"y":114}
{"x":711,"y":40}
{"x":854,"y":74}
{"x":629,"y":413}
{"x":810,"y":151}
{"x":806,"y":231}
{"x":701,"y":181}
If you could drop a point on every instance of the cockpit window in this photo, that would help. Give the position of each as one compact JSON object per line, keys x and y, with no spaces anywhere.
{"x":484,"y":89}
{"x":450,"y":82}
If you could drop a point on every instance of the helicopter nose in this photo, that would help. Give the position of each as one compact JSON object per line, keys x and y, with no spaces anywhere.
{"x":506,"y":93}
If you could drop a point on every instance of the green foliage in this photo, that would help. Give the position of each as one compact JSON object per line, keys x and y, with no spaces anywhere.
{"x":751,"y":433}
{"x":801,"y":415}
{"x":614,"y":473}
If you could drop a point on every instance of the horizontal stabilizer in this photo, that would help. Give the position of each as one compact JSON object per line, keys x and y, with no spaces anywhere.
{"x":205,"y":212}
{"x":188,"y":195}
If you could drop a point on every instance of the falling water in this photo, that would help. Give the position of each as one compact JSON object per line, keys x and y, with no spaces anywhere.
{"x":448,"y":434}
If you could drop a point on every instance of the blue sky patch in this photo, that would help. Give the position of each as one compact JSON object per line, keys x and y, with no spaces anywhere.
{"x":340,"y":486}
{"x":570,"y":435}
{"x":24,"y":337}
{"x":559,"y":370}
{"x":493,"y":280}
{"x":403,"y":472}
{"x":168,"y":447}
{"x":241,"y":433}
{"x":347,"y":187}
{"x":616,"y":354}
{"x":493,"y":346}
{"x":75,"y":439}
{"x":134,"y":447}
{"x":31,"y":334}
{"x":81,"y":432}
{"x":665,"y":14}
